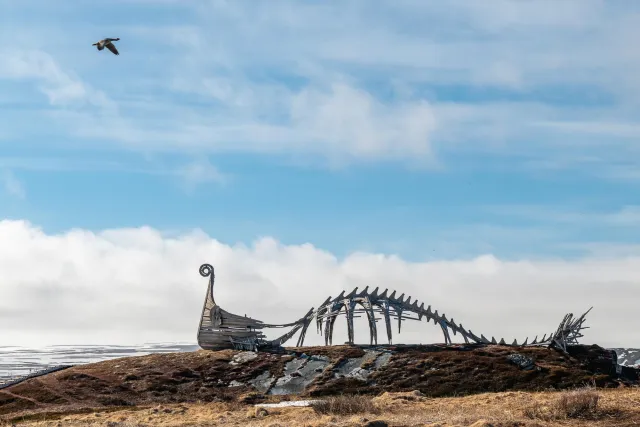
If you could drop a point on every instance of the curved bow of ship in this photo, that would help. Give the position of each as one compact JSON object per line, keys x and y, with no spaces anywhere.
{"x":220,"y":329}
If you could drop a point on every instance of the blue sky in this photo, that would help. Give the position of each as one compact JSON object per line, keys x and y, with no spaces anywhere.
{"x":423,"y":129}
{"x":464,"y":152}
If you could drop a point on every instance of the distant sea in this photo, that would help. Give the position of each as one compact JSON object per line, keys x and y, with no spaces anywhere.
{"x":18,"y":361}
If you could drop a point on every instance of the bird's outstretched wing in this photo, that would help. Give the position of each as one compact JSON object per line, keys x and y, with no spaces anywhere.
{"x":112,"y":48}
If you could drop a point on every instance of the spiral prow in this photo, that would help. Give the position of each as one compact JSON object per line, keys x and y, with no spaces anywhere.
{"x":206,"y":270}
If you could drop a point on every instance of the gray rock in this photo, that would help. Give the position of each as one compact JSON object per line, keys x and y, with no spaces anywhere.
{"x":243,"y":357}
{"x":382,"y":359}
{"x":298,"y":374}
{"x":359,"y":374}
{"x":524,"y":362}
{"x":262,"y":382}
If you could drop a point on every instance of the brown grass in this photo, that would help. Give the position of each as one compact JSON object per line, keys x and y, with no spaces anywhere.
{"x":120,"y":424}
{"x":346,"y":405}
{"x":580,"y":403}
{"x":576,"y":408}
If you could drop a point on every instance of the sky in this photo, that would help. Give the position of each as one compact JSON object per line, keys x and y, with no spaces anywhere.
{"x":482,"y":158}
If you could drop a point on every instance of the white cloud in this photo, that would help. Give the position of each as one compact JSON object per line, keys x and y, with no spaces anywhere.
{"x":627,"y":216}
{"x":12,"y":185}
{"x":339,"y":123}
{"x":61,"y":87}
{"x":457,"y":42}
{"x":351,"y":122}
{"x":606,"y":250}
{"x":201,"y":171}
{"x":617,"y":129}
{"x":137,"y":285}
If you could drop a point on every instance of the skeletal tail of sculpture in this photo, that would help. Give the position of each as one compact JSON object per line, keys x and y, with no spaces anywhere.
{"x":396,"y":307}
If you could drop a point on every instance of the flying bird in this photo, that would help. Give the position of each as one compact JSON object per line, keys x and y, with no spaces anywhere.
{"x":107,"y":43}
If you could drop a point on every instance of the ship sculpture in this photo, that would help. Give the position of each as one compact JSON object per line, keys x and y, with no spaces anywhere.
{"x":220,"y":329}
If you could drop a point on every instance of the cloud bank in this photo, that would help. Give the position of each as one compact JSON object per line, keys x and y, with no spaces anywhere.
{"x":130,"y":286}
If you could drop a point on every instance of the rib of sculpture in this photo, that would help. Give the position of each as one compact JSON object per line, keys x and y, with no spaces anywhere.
{"x":220,"y":329}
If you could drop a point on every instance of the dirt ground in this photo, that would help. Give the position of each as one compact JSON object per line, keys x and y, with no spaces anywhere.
{"x":616,"y":408}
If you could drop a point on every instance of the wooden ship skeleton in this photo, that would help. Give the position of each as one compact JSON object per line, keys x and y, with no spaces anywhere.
{"x":220,"y":329}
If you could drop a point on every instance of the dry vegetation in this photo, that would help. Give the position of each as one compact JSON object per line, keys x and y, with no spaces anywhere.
{"x":346,"y":405}
{"x":575,"y":404}
{"x":573,"y":408}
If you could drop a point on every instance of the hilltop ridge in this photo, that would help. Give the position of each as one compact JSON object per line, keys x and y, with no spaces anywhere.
{"x":247,"y":377}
